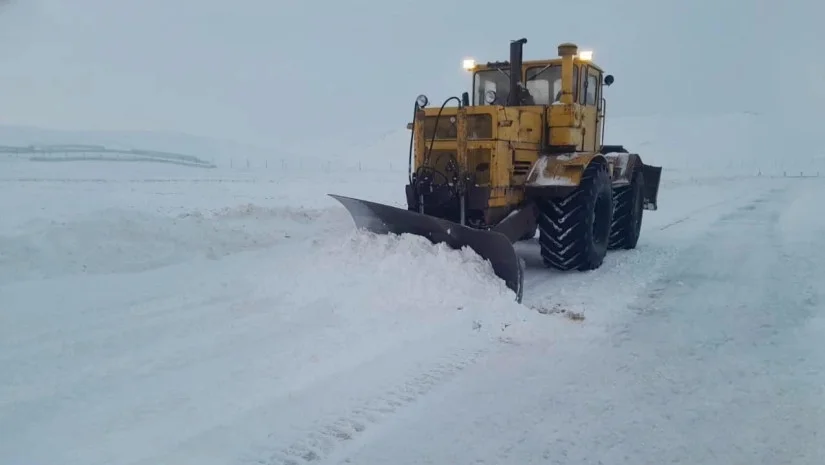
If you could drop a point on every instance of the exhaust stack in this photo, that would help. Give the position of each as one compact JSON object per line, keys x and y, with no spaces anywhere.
{"x":516,"y":60}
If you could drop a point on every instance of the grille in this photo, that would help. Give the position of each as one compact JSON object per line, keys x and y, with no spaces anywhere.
{"x":520,"y":168}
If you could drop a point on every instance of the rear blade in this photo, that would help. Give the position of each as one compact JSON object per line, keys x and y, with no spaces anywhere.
{"x":489,"y":245}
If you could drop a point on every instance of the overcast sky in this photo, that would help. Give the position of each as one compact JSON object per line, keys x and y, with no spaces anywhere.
{"x":265,"y":71}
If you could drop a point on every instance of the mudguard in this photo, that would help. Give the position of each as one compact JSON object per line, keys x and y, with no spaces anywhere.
{"x":489,"y":245}
{"x":652,"y":176}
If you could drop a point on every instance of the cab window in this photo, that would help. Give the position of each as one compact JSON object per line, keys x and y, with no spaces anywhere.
{"x":544,"y":83}
{"x":495,"y":80}
{"x":592,"y":87}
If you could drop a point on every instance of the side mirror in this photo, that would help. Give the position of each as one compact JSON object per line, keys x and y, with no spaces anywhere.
{"x":608,"y":80}
{"x":465,"y":99}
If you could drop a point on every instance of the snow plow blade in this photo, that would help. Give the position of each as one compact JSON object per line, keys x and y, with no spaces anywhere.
{"x":490,"y":245}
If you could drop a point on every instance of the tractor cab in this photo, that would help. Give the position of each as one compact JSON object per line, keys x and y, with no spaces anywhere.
{"x":542,"y":80}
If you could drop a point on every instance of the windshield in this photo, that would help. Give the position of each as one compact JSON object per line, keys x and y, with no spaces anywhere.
{"x":543,"y":83}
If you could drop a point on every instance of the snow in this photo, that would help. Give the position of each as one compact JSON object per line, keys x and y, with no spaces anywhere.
{"x":621,"y":160}
{"x":156,"y":313}
{"x":536,"y":175}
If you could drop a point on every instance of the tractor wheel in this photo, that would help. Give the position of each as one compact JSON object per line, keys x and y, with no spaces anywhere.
{"x":628,"y":207}
{"x":574,"y":230}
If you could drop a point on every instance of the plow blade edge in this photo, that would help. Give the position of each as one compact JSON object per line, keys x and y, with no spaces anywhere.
{"x":490,"y":245}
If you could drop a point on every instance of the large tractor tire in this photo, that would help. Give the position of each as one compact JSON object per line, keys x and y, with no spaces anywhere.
{"x":574,"y":230}
{"x":628,"y":208}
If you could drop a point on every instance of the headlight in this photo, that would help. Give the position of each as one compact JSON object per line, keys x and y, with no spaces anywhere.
{"x":422,"y":100}
{"x":490,"y":96}
{"x":586,"y":55}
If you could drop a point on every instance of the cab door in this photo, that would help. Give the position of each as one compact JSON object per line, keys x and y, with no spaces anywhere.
{"x":589,"y":98}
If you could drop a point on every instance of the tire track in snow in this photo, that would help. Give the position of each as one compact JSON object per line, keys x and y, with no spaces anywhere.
{"x":626,"y":273}
{"x":328,"y":439}
{"x":698,"y":211}
{"x":649,"y":302}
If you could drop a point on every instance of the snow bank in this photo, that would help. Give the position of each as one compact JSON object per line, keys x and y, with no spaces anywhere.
{"x":115,"y":240}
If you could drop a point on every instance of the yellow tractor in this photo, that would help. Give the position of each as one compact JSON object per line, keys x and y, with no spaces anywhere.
{"x":524,"y":153}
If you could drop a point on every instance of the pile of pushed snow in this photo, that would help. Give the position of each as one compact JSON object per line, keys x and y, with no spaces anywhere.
{"x":343,"y":299}
{"x":377,"y":276}
{"x":408,"y":270}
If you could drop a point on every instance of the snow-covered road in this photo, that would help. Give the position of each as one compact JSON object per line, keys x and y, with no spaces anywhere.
{"x":150,"y":322}
{"x":719,"y":360}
